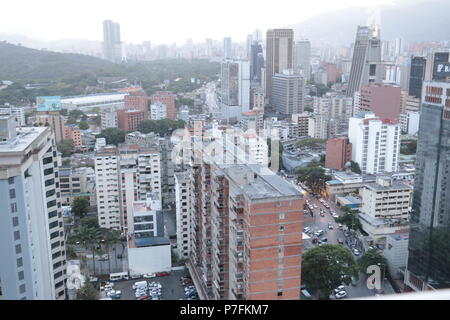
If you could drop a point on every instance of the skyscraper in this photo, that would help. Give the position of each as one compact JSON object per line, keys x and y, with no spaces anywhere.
{"x":429,"y":243}
{"x":256,"y":63}
{"x":235,"y":81}
{"x":112,"y":46}
{"x":288,"y":93}
{"x":416,"y":76}
{"x":302,"y":56}
{"x":366,"y":64}
{"x":279,"y":55}
{"x":33,"y":262}
{"x":227,"y":49}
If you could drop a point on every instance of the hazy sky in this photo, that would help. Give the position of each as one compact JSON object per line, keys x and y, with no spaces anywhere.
{"x":160,"y":21}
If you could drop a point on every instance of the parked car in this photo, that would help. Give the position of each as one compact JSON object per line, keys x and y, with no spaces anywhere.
{"x":356,"y":252}
{"x":341,"y":294}
{"x":135,"y":275}
{"x":162,"y":274}
{"x":149,"y":275}
{"x":330,"y":226}
{"x":339,"y":289}
{"x":340,"y":241}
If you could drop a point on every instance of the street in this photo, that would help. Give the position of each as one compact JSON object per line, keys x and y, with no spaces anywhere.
{"x":321,"y":223}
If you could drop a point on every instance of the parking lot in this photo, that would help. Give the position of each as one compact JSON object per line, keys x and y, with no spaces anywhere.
{"x":171,"y":287}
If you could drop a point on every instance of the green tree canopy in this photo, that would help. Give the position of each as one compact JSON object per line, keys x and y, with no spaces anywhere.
{"x":83,"y":125}
{"x":75,"y":113}
{"x":65,"y":147}
{"x":328,"y":266}
{"x":162,"y":127}
{"x":350,"y":219}
{"x":88,"y":292}
{"x":112,"y":135}
{"x":313,"y":176}
{"x":369,"y":258}
{"x":354,"y":166}
{"x":80,"y":206}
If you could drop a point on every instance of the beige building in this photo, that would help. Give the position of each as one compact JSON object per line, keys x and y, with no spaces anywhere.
{"x":55,"y":121}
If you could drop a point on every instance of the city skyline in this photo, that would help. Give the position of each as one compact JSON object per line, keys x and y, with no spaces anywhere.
{"x":141,"y":25}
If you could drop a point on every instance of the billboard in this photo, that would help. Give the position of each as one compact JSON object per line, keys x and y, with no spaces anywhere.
{"x":48,"y":103}
{"x":442,"y":69}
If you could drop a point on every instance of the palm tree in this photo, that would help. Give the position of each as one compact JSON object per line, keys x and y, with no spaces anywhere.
{"x":112,"y":237}
{"x":88,"y":236}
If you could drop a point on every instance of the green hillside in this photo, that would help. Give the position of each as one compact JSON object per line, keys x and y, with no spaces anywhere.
{"x":73,"y":74}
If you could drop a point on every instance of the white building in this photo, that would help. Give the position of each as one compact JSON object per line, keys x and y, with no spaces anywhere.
{"x":107,"y":185}
{"x":148,"y":249}
{"x":17,"y":112}
{"x":386,"y":199}
{"x":33,"y":263}
{"x":183,"y":198}
{"x":396,"y":253}
{"x":375,"y":143}
{"x":109,"y":118}
{"x":158,"y":111}
{"x":86,"y":103}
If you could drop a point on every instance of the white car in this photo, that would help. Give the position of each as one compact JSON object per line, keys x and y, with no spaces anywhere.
{"x":356,"y":252}
{"x":340,"y":295}
{"x":339,"y":289}
{"x":149,"y":275}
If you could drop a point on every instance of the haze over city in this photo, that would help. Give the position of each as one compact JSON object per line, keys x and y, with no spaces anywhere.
{"x":162,"y":21}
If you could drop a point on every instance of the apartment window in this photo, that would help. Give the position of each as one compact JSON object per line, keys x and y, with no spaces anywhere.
{"x":12,"y":193}
{"x":15,"y":221}
{"x":52,"y":214}
{"x":16,"y":235}
{"x":53,"y":224}
{"x":22,"y":288}
{"x":21,"y":275}
{"x":280,"y":293}
{"x":19,"y":262}
{"x":282,"y":215}
{"x":11,"y":180}
{"x":13,"y":207}
{"x":281,"y":227}
{"x":18,"y":248}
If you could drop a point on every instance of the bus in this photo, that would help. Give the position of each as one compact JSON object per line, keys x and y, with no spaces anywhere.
{"x":118,"y":276}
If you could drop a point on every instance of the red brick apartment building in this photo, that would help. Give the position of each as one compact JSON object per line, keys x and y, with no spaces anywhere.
{"x":167,"y":98}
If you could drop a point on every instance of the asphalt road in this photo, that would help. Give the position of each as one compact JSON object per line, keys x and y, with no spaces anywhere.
{"x":361,"y":289}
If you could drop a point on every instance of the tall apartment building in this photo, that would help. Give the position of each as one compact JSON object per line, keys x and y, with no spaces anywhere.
{"x":257,"y":99}
{"x":235,"y":82}
{"x":302,"y":58}
{"x":384,"y":101}
{"x":17,"y":112}
{"x":375,"y":143}
{"x":338,"y":153}
{"x":107,"y":185}
{"x":430,"y":217}
{"x":252,"y":120}
{"x":279,"y":55}
{"x":302,"y":122}
{"x":130,"y":119}
{"x":32,"y":238}
{"x":53,"y":119}
{"x":137,"y":100}
{"x":288,"y":93}
{"x":227,"y":48}
{"x":108,"y":117}
{"x":183,"y":198}
{"x":366,"y":64}
{"x":139,"y":178}
{"x":158,"y":111}
{"x":112,"y":46}
{"x":167,"y":98}
{"x":77,"y":182}
{"x":164,"y":147}
{"x":416,"y":76}
{"x":256,"y":63}
{"x":72,"y":132}
{"x":246,"y":243}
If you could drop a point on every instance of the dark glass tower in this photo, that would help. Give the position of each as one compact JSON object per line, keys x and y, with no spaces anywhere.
{"x":417,"y":74}
{"x":429,"y":243}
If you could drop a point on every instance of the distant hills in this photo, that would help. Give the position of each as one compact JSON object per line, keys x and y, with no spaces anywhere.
{"x":410,"y":20}
{"x":19,"y":63}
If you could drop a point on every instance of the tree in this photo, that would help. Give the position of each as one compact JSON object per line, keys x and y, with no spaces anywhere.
{"x":350,"y":219}
{"x":89,"y":237}
{"x":370,"y":258}
{"x":328,"y":266}
{"x":97,"y":120}
{"x":66,"y":162}
{"x":313,"y":176}
{"x":80,"y":207}
{"x":76,"y":113}
{"x":65,"y":147}
{"x":71,"y":120}
{"x":162,"y":127}
{"x":409,"y":148}
{"x":88,"y":292}
{"x":83,"y":125}
{"x":112,"y":135}
{"x":280,"y":153}
{"x":354,"y":166}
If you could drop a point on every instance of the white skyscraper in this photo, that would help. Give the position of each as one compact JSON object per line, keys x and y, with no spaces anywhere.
{"x":33,"y":262}
{"x":375,"y":143}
